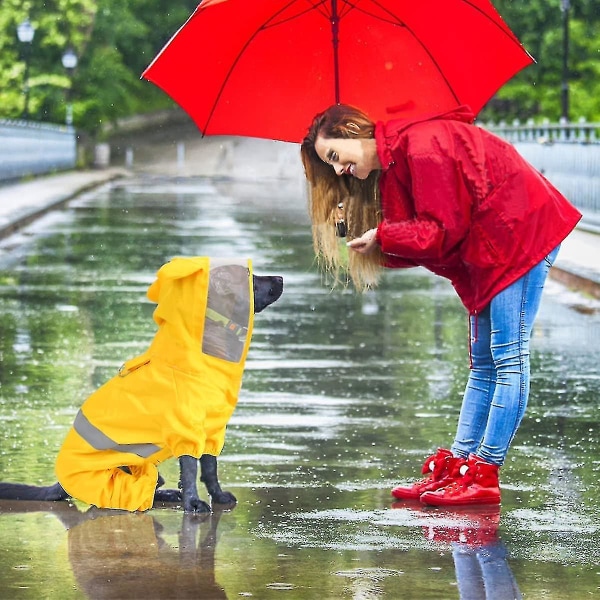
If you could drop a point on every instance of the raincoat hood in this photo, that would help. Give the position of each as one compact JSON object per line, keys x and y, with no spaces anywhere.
{"x":205,"y":309}
{"x":385,"y":133}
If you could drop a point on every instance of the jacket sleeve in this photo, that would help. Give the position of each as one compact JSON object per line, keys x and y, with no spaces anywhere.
{"x":414,"y":239}
{"x":436,"y":195}
{"x":396,"y":262}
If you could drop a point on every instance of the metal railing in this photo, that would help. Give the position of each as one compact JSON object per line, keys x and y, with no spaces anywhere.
{"x":28,"y":148}
{"x":568,"y":154}
{"x":545,"y":132}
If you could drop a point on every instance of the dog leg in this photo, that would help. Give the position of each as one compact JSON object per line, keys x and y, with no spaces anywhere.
{"x":20,"y":491}
{"x":167,"y":496}
{"x":210,"y":478}
{"x":188,"y":466}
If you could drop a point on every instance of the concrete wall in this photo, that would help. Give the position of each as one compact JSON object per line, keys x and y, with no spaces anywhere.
{"x":28,"y":148}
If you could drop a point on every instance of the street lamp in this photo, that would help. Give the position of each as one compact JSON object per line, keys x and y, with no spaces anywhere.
{"x":69,"y":62}
{"x":25,"y":33}
{"x":565,"y":5}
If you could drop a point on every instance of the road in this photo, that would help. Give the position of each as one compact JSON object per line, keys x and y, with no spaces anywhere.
{"x":343,"y":397}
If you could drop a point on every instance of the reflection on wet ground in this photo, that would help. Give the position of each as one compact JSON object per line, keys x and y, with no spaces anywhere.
{"x":343,"y":397}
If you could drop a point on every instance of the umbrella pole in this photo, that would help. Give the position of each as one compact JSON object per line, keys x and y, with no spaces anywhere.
{"x":335,"y":25}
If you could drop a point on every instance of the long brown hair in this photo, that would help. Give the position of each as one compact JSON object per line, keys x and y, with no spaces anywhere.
{"x":360,"y":198}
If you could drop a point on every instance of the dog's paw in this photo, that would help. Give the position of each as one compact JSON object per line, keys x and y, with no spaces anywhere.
{"x":195,"y":505}
{"x":222,"y":497}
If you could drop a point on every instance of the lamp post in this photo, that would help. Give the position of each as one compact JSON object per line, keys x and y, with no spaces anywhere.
{"x":69,"y":62}
{"x":25,"y":33}
{"x":565,"y":5}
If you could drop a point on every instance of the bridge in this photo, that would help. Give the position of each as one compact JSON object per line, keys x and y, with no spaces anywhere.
{"x":568,"y":154}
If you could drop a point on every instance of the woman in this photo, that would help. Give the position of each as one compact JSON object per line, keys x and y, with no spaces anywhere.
{"x":442,"y":193}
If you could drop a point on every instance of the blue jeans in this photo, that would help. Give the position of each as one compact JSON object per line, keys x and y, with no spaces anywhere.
{"x":498,"y":388}
{"x":483,"y":572}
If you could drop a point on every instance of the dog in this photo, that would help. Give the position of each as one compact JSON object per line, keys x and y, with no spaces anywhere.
{"x":174,"y":400}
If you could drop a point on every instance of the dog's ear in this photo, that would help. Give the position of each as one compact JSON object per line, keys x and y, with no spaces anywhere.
{"x":175,"y":269}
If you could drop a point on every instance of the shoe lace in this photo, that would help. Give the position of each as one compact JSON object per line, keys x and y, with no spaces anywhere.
{"x":465,"y":478}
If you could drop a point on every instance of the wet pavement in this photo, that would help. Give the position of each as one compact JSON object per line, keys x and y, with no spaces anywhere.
{"x":343,"y":397}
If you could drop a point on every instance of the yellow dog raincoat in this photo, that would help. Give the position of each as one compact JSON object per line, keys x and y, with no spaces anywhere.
{"x":173,"y":400}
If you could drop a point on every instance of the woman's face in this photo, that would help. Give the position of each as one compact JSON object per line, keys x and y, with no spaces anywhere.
{"x":356,"y":157}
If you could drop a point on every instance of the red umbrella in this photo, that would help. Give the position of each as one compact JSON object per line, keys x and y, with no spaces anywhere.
{"x":264,"y":68}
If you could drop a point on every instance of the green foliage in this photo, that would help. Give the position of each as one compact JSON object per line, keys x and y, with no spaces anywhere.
{"x":116,"y":39}
{"x":536,"y":91}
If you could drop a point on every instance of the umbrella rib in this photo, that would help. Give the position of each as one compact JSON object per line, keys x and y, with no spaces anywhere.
{"x":318,"y":5}
{"x":314,"y":6}
{"x":394,"y":19}
{"x":262,"y":27}
{"x":507,"y":32}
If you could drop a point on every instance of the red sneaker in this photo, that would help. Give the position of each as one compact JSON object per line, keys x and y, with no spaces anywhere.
{"x":478,"y":485}
{"x":441,"y":469}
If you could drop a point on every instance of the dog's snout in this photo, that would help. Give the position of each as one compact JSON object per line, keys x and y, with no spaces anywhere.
{"x":267,"y":289}
{"x":276,"y":289}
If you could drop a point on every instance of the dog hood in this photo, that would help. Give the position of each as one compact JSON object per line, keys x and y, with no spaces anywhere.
{"x":205,"y":308}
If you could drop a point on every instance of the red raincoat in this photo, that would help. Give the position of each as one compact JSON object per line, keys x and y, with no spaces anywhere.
{"x":464,"y":204}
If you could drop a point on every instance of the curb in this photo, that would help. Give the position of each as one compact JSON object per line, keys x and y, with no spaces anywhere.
{"x":576,"y":282}
{"x":18,"y":222}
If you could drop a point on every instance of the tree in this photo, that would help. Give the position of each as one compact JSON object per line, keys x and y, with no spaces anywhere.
{"x":57,"y":23}
{"x":115,"y":40}
{"x":535,"y":92}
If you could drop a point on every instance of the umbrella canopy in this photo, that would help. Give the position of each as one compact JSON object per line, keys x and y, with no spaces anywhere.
{"x":265,"y":68}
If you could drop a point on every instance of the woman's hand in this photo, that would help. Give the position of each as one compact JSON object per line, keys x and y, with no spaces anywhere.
{"x":365,"y":243}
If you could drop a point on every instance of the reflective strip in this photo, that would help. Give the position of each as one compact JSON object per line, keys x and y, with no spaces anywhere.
{"x":98,"y":440}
